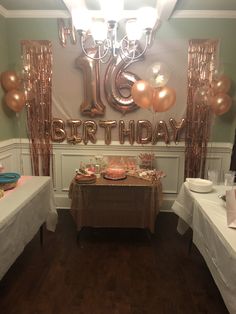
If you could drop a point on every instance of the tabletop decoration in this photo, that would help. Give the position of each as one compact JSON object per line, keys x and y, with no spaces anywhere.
{"x":116,"y":168}
{"x":8,"y":180}
{"x":151,"y":175}
{"x":147,"y":160}
{"x":84,"y":177}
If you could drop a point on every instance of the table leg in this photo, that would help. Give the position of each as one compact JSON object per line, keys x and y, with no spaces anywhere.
{"x":41,"y":235}
{"x":149,"y":234}
{"x":190,"y":245}
{"x":78,"y":238}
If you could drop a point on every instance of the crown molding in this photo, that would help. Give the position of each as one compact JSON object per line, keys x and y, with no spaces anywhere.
{"x":34,"y":13}
{"x":178,"y":14}
{"x":204,"y":14}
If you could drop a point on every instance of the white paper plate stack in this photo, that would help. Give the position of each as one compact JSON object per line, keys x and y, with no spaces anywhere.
{"x":199,"y":185}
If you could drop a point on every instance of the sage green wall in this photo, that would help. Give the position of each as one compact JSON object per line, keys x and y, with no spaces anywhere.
{"x":7,"y":117}
{"x":222,"y":29}
{"x":26,"y":29}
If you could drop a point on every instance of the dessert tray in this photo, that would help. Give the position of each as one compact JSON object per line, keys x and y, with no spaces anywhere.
{"x":8,"y":180}
{"x":85,"y":178}
{"x":106,"y":176}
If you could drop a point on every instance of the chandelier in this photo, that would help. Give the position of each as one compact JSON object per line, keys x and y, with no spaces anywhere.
{"x":111,"y":31}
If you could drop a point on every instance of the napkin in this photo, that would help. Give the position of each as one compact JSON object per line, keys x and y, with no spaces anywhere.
{"x":231,"y":208}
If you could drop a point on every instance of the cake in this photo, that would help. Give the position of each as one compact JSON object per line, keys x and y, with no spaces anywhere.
{"x":115,"y":173}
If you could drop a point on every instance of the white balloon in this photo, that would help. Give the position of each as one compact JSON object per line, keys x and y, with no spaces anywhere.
{"x":158,"y":74}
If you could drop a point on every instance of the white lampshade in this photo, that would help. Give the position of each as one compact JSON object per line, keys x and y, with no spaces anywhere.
{"x":133,"y":31}
{"x":112,"y":10}
{"x":98,"y":30}
{"x":146,"y":17}
{"x":81,"y":19}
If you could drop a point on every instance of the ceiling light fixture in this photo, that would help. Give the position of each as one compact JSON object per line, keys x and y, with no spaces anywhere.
{"x":100,"y":35}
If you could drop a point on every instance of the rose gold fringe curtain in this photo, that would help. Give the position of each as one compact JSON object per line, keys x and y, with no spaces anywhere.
{"x":201,"y":65}
{"x":37,"y":80}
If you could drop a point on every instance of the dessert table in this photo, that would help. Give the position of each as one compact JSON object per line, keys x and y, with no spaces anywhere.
{"x":23,"y":210}
{"x":205,"y":213}
{"x":129,"y":203}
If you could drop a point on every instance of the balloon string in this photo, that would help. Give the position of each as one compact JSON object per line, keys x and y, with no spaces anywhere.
{"x":20,"y":141}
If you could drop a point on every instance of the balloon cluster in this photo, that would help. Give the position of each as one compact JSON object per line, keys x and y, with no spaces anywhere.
{"x":219,"y":101}
{"x":14,"y":98}
{"x":154,"y":92}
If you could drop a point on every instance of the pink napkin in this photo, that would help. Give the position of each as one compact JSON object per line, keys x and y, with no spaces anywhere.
{"x":231,"y":208}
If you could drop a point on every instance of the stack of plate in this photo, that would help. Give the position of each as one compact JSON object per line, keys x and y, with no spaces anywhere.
{"x":199,"y":185}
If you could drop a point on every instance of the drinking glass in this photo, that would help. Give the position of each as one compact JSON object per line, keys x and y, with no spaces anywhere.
{"x":229,"y":178}
{"x":213,"y":176}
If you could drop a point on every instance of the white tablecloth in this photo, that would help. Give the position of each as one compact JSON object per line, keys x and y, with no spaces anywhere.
{"x":22,"y":211}
{"x":206,"y":215}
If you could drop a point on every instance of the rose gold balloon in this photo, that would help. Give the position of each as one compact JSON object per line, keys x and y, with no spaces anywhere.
{"x":89,"y":131}
{"x":142,"y":93}
{"x":10,"y":80}
{"x":74,"y":137}
{"x":176,"y":128}
{"x":144,"y":132}
{"x":107,"y":125}
{"x":221,"y":85}
{"x":220,"y":104}
{"x":117,"y":85}
{"x":92,"y":104}
{"x":161,"y":132}
{"x":15,"y":100}
{"x":58,"y":132}
{"x":127,"y":131}
{"x":164,"y":98}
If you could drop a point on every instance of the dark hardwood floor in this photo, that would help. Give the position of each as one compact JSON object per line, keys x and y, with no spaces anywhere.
{"x":111,"y":271}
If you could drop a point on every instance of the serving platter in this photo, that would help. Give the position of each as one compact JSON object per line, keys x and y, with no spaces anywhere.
{"x":114,"y":179}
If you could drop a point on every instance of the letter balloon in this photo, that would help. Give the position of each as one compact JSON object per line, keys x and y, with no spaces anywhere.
{"x":74,"y":138}
{"x":58,"y":132}
{"x":89,"y":131}
{"x":144,"y":126}
{"x":108,"y":125}
{"x":92,"y":104}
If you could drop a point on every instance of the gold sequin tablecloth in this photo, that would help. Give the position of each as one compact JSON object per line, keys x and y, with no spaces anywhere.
{"x":129,"y":203}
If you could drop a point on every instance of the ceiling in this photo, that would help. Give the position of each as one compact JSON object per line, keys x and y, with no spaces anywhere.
{"x":172,"y":8}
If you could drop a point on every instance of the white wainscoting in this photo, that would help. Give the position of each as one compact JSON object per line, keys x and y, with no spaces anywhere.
{"x":15,"y":157}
